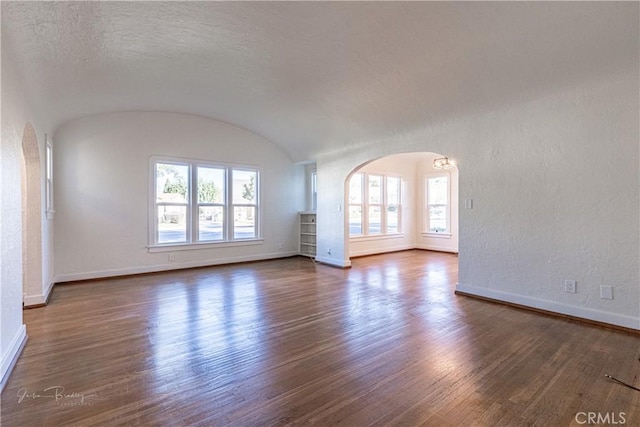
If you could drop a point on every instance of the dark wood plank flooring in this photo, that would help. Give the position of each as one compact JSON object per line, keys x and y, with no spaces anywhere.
{"x":289,"y":342}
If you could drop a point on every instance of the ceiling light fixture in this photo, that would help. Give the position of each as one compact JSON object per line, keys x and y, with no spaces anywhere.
{"x":443,"y":163}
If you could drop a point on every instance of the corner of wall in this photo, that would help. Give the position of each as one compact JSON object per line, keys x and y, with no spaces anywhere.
{"x":10,"y":357}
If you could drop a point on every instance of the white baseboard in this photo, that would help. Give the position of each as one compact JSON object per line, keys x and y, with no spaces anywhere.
{"x":569,"y":310}
{"x":335,"y":262}
{"x":10,"y":358}
{"x":37,"y":300}
{"x":167,"y":267}
{"x":436,"y":248}
{"x":380,"y":250}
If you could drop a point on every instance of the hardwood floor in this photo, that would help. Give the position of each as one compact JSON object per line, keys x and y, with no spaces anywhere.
{"x":291,"y":342}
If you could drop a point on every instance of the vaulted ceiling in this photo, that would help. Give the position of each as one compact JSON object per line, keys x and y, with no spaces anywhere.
{"x":310,"y":76}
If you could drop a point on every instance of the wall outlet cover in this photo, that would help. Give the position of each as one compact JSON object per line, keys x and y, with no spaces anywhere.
{"x":570,"y":286}
{"x":606,"y":292}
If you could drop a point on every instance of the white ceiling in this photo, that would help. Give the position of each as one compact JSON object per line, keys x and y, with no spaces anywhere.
{"x":310,"y":76}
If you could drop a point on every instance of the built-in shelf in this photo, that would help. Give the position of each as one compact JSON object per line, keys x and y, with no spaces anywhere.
{"x":307,"y":221}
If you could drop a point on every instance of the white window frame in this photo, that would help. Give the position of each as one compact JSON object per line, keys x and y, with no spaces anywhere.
{"x":384,"y":206}
{"x":193,"y":205}
{"x":230,"y":214}
{"x":426,"y":217}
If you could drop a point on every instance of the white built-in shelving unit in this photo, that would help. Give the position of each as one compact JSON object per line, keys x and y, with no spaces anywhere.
{"x":307,"y":221}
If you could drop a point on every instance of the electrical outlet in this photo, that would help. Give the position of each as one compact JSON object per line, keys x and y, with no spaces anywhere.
{"x":172,"y":257}
{"x":606,"y":292}
{"x":570,"y":286}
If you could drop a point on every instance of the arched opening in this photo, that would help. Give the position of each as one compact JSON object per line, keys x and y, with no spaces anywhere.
{"x":31,"y":215}
{"x":400,"y":202}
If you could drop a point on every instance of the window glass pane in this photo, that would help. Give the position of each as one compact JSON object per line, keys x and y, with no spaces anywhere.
{"x":172,"y":182}
{"x":375,"y":189}
{"x":437,"y":190}
{"x":244,"y":186}
{"x":438,"y":218}
{"x":355,"y":189}
{"x":375,"y":219}
{"x":49,"y":161}
{"x":393,"y":191}
{"x":210,"y":185}
{"x":244,"y":222}
{"x":211,"y":220}
{"x":355,"y":220}
{"x":392,"y":219}
{"x":172,"y":224}
{"x":314,"y":190}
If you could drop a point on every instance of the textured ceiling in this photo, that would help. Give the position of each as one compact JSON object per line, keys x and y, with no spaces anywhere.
{"x":310,"y":76}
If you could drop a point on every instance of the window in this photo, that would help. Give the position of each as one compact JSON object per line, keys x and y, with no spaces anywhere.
{"x":393,"y":205}
{"x":198,"y":202}
{"x":48,"y":178}
{"x":314,"y":190}
{"x":374,"y":204}
{"x":437,"y":209}
{"x":355,"y":204}
{"x":245,"y":206}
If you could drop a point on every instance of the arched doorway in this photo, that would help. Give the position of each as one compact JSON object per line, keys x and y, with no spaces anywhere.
{"x":31,"y":214}
{"x":399,"y":202}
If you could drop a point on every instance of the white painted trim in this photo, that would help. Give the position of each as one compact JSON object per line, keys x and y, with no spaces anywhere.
{"x":10,"y":358}
{"x":376,"y":251}
{"x":334,"y":261}
{"x":436,"y":248}
{"x":203,"y":245}
{"x":167,"y":267}
{"x":373,"y":237}
{"x":437,"y":235}
{"x":569,"y":310}
{"x":31,"y":300}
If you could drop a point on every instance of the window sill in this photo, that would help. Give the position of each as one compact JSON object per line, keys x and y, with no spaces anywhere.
{"x":207,"y":245}
{"x":376,"y":237}
{"x":437,"y":235}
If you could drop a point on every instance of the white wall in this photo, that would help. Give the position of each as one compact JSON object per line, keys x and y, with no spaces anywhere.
{"x":15,"y":114}
{"x":102,"y":184}
{"x":555,"y":185}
